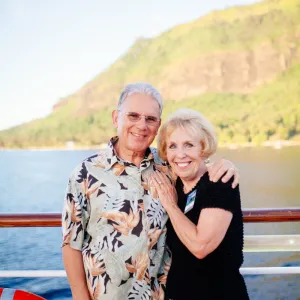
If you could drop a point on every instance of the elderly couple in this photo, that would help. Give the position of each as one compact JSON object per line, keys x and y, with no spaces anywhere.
{"x":140,"y":223}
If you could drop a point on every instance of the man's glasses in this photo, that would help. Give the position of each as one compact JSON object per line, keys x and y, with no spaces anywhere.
{"x":135,"y":117}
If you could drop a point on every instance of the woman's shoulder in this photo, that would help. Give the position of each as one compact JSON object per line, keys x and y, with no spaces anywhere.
{"x":221,"y":195}
{"x":220,"y":185}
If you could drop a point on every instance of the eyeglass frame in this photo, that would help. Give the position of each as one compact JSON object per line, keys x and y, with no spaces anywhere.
{"x":156,"y":122}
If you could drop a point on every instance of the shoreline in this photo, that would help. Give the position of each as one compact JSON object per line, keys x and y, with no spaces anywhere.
{"x":232,"y":146}
{"x":273,"y":144}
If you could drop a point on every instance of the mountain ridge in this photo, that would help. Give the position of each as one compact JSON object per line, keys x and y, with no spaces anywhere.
{"x":232,"y":54}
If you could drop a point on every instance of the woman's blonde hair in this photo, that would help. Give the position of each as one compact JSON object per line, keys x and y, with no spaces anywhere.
{"x":195,"y":124}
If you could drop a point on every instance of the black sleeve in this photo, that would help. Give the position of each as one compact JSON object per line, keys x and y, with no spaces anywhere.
{"x":222,"y":195}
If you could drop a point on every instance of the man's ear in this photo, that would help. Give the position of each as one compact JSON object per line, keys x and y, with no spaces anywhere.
{"x":114,"y":116}
{"x":158,"y":126}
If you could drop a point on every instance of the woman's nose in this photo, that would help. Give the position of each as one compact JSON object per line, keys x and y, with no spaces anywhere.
{"x":180,"y":153}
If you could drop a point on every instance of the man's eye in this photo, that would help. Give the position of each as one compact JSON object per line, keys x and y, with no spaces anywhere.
{"x":151,"y":119}
{"x":134,"y":116}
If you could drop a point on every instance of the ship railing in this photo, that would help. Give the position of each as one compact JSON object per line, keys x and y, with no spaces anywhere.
{"x":252,"y":243}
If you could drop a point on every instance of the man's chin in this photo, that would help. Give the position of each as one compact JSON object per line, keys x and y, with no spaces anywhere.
{"x":139,"y":148}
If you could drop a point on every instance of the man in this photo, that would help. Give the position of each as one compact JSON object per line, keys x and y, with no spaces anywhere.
{"x":113,"y":224}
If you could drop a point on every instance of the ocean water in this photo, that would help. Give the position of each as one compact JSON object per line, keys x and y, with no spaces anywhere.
{"x":35,"y":181}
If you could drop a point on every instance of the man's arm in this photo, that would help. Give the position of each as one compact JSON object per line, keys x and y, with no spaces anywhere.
{"x":75,"y":272}
{"x":74,"y":218}
{"x":223,"y":166}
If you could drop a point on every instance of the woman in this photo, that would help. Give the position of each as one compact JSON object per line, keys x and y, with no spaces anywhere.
{"x":205,"y":231}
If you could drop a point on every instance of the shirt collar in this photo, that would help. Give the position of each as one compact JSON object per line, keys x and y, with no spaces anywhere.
{"x":112,"y":158}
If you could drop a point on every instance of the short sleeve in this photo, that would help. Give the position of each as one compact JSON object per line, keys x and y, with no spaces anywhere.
{"x":222,"y":195}
{"x":164,"y":267}
{"x":75,"y":214}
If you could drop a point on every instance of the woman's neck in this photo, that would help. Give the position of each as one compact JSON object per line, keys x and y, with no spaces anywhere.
{"x":189,"y":184}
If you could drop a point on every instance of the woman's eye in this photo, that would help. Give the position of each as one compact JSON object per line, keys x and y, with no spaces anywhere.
{"x":189,"y":145}
{"x":172,"y":146}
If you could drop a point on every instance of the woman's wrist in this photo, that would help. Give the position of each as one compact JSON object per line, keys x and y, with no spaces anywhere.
{"x":171,"y":207}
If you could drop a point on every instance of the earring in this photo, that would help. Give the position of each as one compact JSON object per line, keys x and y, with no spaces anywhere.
{"x":207,"y":161}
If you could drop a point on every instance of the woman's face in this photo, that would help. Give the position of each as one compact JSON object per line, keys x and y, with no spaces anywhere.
{"x":184,"y":155}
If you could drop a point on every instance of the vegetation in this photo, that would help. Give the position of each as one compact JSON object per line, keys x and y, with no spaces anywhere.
{"x":268,"y":113}
{"x":272,"y":112}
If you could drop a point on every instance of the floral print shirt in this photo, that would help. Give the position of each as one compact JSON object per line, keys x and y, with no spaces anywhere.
{"x":114,"y":217}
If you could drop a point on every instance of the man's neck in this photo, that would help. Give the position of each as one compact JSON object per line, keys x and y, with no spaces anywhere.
{"x":130,"y":156}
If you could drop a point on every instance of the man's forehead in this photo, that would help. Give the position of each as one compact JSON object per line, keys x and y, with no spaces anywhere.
{"x":140,"y":103}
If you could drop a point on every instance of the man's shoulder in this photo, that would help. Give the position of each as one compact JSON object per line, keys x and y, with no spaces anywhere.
{"x":162,"y":165}
{"x":157,"y":159}
{"x":97,"y":160}
{"x":101,"y":153}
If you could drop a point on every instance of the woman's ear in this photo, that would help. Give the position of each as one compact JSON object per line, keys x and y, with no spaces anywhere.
{"x":204,"y":156}
{"x":202,"y":152}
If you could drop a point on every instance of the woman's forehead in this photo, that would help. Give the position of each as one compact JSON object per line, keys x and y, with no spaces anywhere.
{"x":184,"y":133}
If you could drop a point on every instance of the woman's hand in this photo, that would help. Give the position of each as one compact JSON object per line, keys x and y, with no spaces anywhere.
{"x":165,"y":189}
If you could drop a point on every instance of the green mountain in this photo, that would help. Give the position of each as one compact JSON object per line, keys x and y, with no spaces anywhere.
{"x":239,"y":66}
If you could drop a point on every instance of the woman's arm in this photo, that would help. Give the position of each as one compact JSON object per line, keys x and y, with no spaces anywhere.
{"x":212,"y":224}
{"x":207,"y":235}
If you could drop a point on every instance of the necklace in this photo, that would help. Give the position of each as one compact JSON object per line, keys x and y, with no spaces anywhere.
{"x":187,"y":190}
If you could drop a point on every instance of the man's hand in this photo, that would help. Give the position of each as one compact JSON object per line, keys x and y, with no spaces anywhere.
{"x":217,"y":169}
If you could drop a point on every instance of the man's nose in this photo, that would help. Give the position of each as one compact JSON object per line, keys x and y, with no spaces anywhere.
{"x":142,"y":123}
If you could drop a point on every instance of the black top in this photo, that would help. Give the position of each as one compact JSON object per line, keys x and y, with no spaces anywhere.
{"x":217,"y":276}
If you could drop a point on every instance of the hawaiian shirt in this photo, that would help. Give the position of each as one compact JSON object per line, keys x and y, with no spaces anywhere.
{"x":114,"y":217}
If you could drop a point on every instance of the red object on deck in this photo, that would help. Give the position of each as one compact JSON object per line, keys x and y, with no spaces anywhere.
{"x":11,"y":294}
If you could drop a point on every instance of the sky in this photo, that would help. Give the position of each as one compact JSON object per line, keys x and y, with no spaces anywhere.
{"x":50,"y":49}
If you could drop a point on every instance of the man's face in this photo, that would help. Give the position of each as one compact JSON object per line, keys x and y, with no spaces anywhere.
{"x":137,"y":135}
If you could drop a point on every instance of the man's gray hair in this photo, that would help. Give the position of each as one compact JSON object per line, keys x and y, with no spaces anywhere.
{"x":141,"y":88}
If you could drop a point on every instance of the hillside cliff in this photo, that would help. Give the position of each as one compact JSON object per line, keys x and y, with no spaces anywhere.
{"x":246,"y":57}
